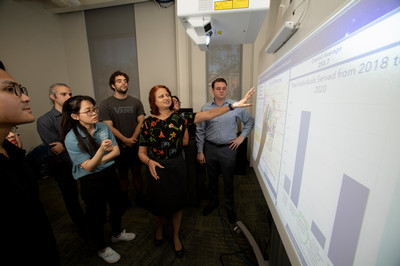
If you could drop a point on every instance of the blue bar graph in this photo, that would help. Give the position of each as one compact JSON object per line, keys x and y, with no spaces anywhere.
{"x":300,"y":156}
{"x":318,"y":234}
{"x":286,"y":184}
{"x":346,"y":230}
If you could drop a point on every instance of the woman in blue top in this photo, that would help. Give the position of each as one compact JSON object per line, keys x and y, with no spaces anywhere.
{"x":92,"y":148}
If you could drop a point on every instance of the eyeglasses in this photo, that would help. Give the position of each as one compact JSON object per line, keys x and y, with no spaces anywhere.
{"x":19,"y":90}
{"x":175,"y":101}
{"x":91,"y":111}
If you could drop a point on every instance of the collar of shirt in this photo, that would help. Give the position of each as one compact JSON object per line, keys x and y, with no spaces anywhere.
{"x":55,"y":112}
{"x":13,"y":151}
{"x":226,"y":102}
{"x":83,"y":134}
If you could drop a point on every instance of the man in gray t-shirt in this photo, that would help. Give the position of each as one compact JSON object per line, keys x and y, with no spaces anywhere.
{"x":125,"y":114}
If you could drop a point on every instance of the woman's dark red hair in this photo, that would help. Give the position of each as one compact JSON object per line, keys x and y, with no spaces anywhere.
{"x":152,"y":99}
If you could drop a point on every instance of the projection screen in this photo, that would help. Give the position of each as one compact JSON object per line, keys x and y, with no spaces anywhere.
{"x":326,"y":147}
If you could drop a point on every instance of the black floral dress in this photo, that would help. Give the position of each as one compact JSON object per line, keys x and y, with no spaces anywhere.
{"x":163,"y":139}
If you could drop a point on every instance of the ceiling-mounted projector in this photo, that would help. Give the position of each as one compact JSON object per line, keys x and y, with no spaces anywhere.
{"x":213,"y":22}
{"x":285,"y":32}
{"x":199,"y":30}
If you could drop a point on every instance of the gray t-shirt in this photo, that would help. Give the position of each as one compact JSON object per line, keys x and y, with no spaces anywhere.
{"x":122,"y":112}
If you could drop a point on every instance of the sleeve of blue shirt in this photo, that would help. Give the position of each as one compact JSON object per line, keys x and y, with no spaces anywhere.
{"x":200,"y":134}
{"x":248,"y":122}
{"x":75,"y":153}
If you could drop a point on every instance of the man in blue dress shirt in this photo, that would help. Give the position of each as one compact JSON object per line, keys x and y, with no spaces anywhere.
{"x":217,"y":144}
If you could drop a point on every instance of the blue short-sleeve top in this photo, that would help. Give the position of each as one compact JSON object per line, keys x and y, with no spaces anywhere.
{"x":102,"y":132}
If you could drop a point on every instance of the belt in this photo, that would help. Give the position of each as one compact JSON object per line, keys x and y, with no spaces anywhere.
{"x":217,"y":145}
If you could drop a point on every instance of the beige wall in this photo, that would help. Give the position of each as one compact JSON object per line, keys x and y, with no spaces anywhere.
{"x":155,"y":35}
{"x":32,"y":48}
{"x":77,"y":53}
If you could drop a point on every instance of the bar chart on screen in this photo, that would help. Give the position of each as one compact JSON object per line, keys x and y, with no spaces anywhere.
{"x":329,"y":142}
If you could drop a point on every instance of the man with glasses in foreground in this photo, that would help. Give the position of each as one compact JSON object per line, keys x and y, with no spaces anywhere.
{"x":49,"y":129}
{"x":28,"y":236}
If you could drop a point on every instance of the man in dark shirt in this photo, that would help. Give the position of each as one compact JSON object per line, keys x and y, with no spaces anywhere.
{"x":125,"y":114}
{"x":49,"y":129}
{"x":28,"y":236}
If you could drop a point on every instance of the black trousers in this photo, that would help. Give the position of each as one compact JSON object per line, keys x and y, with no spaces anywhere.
{"x":62,"y":172}
{"x":129,"y":159}
{"x":220,"y":160}
{"x":97,"y":190}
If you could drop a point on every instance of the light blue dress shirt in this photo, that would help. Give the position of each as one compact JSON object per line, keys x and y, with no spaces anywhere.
{"x":101,"y":132}
{"x":222,"y":129}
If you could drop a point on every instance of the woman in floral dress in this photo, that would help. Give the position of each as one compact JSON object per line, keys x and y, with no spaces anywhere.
{"x":160,"y":148}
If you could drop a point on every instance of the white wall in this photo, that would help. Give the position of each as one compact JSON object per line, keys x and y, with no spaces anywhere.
{"x":32,"y":49}
{"x":155,"y":35}
{"x":77,"y":53}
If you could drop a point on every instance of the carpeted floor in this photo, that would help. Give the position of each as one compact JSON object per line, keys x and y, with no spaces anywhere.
{"x":208,"y":240}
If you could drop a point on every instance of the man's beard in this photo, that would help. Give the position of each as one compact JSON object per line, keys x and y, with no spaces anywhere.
{"x":122,"y":91}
